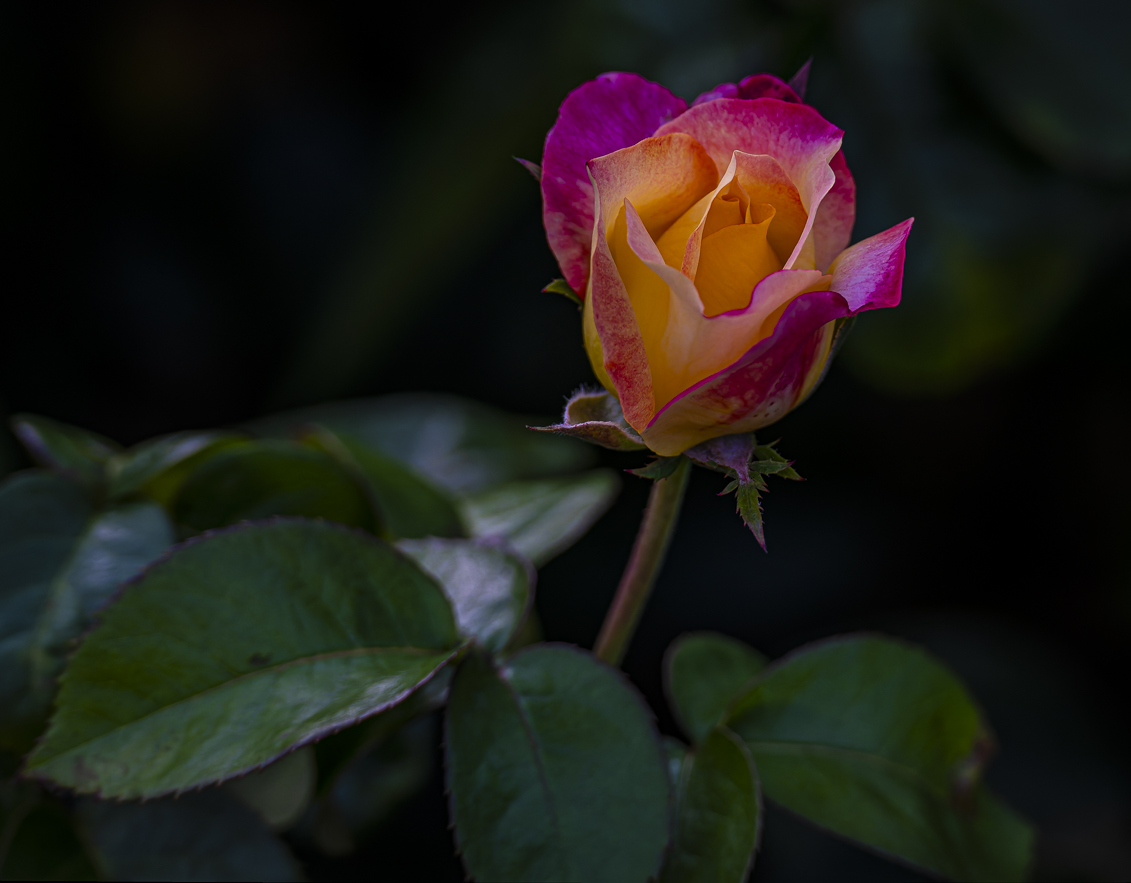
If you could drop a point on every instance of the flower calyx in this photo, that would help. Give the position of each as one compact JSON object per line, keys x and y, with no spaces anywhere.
{"x":596,"y":417}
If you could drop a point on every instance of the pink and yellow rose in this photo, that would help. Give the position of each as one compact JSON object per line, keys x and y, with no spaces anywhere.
{"x":710,"y":247}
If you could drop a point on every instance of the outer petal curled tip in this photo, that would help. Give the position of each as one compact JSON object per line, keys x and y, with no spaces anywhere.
{"x":615,"y":110}
{"x":596,"y":417}
{"x":869,"y":275}
{"x":532,"y":167}
{"x":755,"y":391}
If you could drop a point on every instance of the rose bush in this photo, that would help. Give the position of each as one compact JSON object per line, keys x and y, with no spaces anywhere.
{"x":710,"y":247}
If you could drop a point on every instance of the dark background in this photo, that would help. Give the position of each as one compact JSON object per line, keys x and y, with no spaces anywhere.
{"x":219,"y":210}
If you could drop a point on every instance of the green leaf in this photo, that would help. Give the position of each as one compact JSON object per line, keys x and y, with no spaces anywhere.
{"x":60,"y":561}
{"x":489,"y":588}
{"x":660,"y":468}
{"x":255,"y":480}
{"x":543,"y":518}
{"x":555,"y":771}
{"x":280,"y":792}
{"x":65,"y":449}
{"x":408,"y":505}
{"x":560,"y":286}
{"x":874,"y":739}
{"x":236,"y":648}
{"x":204,"y":836}
{"x":704,"y":672}
{"x":459,"y":445}
{"x":718,"y":817}
{"x":158,"y":467}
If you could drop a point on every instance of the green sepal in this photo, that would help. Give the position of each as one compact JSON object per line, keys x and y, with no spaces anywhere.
{"x":749,"y":506}
{"x":767,"y":452}
{"x":658,"y":469}
{"x":560,"y":286}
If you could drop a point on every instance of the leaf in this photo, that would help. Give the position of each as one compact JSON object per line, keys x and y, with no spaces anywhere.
{"x":660,"y":468}
{"x":280,"y":792}
{"x":560,"y":286}
{"x":60,"y":561}
{"x":541,"y":519}
{"x":704,"y":671}
{"x":489,"y":588}
{"x":555,"y":771}
{"x":873,"y":739}
{"x":237,"y":647}
{"x":204,"y":836}
{"x":65,"y":449}
{"x":718,"y":817}
{"x":255,"y":480}
{"x":408,"y":505}
{"x":459,"y":445}
{"x":146,"y":467}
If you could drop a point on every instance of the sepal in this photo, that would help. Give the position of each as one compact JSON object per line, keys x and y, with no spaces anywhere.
{"x":596,"y":417}
{"x":660,"y":468}
{"x":560,"y":286}
{"x":734,"y":455}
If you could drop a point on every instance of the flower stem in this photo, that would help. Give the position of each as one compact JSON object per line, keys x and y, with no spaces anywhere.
{"x":643,"y":565}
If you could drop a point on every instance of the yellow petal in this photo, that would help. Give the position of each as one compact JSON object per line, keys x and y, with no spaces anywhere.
{"x":731,"y":262}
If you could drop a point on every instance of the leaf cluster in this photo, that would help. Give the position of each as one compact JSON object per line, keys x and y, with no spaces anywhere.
{"x":344,"y":573}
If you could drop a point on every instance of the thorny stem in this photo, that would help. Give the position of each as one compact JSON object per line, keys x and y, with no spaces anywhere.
{"x":643,"y":565}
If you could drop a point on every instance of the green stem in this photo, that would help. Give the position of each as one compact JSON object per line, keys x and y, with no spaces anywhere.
{"x":643,"y":565}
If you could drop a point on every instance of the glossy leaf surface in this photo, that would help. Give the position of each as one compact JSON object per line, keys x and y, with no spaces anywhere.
{"x":717,"y":815}
{"x":237,"y":647}
{"x":407,"y":505}
{"x":459,"y":445}
{"x":60,"y":561}
{"x":704,"y":671}
{"x":71,"y":451}
{"x":555,"y":771}
{"x":874,"y":739}
{"x":258,"y":479}
{"x":208,"y":835}
{"x":490,"y":588}
{"x":542,"y":518}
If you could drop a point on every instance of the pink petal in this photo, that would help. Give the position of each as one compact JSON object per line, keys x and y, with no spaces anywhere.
{"x":798,"y":137}
{"x":832,"y":228}
{"x":870,"y":274}
{"x":756,"y":86}
{"x":758,"y":389}
{"x":615,"y":110}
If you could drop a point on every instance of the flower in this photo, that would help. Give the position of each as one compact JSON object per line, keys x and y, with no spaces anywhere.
{"x":710,"y":247}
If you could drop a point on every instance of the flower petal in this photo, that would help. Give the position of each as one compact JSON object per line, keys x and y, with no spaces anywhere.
{"x":615,"y":110}
{"x":795,"y":135}
{"x":759,"y":388}
{"x":663,"y":177}
{"x":755,"y":86}
{"x":870,"y":274}
{"x":832,"y":229}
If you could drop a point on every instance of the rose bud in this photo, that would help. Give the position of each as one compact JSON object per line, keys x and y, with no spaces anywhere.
{"x":710,"y":248}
